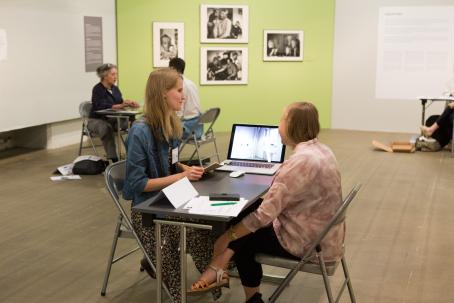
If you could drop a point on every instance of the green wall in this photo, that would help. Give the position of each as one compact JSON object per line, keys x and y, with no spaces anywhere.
{"x":271,"y":85}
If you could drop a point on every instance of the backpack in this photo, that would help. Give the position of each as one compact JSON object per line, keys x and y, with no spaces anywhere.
{"x":89,"y":165}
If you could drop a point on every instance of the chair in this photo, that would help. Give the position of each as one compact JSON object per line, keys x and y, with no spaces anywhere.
{"x":207,"y":118}
{"x":307,"y":265}
{"x":114,"y":178}
{"x":84,"y":111}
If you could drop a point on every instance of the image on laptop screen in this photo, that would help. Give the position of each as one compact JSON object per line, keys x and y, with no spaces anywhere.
{"x":256,"y":143}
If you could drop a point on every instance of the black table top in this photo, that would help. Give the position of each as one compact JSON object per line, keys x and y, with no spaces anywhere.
{"x":249,"y":186}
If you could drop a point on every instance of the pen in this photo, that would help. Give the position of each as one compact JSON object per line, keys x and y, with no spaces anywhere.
{"x":223,"y":203}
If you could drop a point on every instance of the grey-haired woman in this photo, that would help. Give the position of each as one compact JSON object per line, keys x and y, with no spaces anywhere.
{"x":106,"y":95}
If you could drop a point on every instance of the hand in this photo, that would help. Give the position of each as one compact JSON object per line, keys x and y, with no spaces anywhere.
{"x":118,"y":106}
{"x":131,"y":103}
{"x":451,"y":105}
{"x":193,"y":173}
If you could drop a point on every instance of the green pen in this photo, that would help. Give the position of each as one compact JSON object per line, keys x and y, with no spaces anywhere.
{"x":223,"y":203}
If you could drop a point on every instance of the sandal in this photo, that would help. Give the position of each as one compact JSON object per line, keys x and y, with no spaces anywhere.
{"x":222,"y":280}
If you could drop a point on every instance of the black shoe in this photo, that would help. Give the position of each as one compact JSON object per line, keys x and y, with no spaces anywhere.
{"x":146,"y":266}
{"x":256,"y":298}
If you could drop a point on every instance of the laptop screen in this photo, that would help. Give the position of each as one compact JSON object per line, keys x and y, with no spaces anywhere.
{"x":256,"y":143}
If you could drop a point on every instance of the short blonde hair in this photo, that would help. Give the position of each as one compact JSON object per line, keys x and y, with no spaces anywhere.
{"x":302,"y":122}
{"x":163,"y":120}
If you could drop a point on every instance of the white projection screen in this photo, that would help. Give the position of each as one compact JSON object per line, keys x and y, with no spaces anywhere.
{"x":415,"y":52}
{"x":42,"y":72}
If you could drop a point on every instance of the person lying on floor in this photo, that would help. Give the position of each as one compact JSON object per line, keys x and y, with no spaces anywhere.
{"x":441,"y":131}
{"x":304,"y":196}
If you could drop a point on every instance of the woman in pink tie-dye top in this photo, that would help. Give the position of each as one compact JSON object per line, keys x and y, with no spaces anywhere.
{"x":304,"y":196}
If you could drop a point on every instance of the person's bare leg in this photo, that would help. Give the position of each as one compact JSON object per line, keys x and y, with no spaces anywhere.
{"x":250,"y":291}
{"x":217,"y":249}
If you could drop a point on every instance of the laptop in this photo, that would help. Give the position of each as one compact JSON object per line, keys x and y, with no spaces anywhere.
{"x":254,"y":149}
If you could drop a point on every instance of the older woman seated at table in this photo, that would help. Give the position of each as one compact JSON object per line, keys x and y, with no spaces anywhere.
{"x":106,"y":95}
{"x":305,"y":194}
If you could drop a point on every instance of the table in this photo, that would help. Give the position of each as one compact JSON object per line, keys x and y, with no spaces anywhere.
{"x":424,"y":100}
{"x":251,"y":187}
{"x":118,"y":114}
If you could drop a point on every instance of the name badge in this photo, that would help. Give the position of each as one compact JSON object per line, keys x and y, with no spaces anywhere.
{"x":175,"y":155}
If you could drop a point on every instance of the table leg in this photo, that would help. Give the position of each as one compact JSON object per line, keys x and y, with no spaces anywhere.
{"x":158,"y":263}
{"x":118,"y":137}
{"x":423,"y":117}
{"x":183,"y":264}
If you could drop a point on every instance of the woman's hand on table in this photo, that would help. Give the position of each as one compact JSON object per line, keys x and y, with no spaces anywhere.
{"x":193,"y":173}
{"x":131,"y":103}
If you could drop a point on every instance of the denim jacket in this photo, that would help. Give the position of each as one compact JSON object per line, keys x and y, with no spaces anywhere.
{"x":146,"y":158}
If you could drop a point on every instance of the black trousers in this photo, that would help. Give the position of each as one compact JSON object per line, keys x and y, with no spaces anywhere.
{"x":444,"y":133}
{"x":263,"y":240}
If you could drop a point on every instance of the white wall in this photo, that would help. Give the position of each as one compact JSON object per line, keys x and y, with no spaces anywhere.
{"x":354,"y":70}
{"x":43,"y":79}
{"x":63,"y":133}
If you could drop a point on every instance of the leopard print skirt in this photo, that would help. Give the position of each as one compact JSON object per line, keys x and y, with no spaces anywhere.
{"x":199,"y":245}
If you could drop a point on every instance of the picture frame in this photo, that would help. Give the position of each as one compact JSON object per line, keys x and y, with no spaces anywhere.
{"x":223,"y":65}
{"x":224,"y":23}
{"x":283,"y":45}
{"x":168,"y":42}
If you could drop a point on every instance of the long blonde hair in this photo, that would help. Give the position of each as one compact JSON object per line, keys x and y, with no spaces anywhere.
{"x":163,"y":120}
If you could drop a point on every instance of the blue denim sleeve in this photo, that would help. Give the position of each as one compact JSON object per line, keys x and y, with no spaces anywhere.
{"x":137,"y":161}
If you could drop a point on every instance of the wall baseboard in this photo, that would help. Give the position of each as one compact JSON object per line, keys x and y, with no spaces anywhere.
{"x":64,"y":133}
{"x":47,"y":136}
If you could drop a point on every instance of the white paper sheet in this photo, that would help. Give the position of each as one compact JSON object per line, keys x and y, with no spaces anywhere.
{"x":3,"y":45}
{"x":180,"y":192}
{"x":66,"y":170}
{"x":203,"y":206}
{"x":61,"y":178}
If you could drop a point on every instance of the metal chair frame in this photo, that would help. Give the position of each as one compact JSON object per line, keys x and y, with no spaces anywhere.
{"x":114,"y":178}
{"x":307,"y":265}
{"x":84,"y":111}
{"x":208,"y":117}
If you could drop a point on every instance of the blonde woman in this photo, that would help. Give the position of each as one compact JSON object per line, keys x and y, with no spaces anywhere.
{"x":152,"y":164}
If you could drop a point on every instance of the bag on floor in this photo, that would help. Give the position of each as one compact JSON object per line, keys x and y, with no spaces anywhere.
{"x":89,"y":165}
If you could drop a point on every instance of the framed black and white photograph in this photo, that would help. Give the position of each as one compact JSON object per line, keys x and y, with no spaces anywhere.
{"x":224,"y":23}
{"x":168,"y":42}
{"x":223,"y":65}
{"x":283,"y":45}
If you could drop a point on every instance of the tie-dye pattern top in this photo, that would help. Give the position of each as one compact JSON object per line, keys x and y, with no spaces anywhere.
{"x":304,"y":196}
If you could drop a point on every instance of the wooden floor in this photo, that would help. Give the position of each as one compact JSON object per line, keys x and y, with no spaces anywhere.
{"x":56,"y":236}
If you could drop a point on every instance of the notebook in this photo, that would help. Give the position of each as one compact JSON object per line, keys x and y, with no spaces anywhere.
{"x":255,"y":149}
